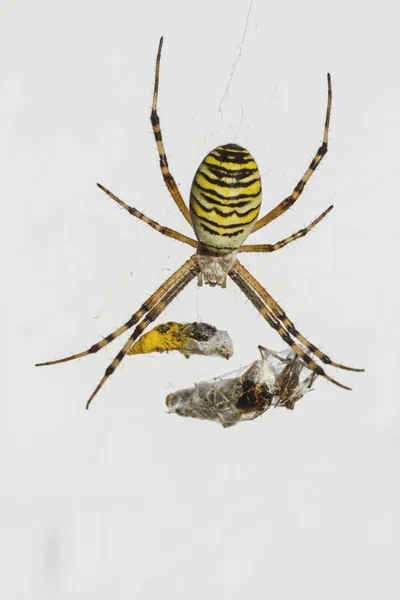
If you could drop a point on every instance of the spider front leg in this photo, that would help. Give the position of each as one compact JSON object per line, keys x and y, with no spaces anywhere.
{"x":245,"y":282}
{"x":322,"y":150}
{"x":280,"y":314}
{"x":155,"y":121}
{"x":149,"y":318}
{"x":139,"y":314}
{"x":269,"y":317}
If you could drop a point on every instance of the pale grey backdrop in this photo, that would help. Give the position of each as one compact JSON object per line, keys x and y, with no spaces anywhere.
{"x":126,"y":501}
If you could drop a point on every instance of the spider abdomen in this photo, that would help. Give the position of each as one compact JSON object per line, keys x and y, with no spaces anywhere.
{"x":225,"y":198}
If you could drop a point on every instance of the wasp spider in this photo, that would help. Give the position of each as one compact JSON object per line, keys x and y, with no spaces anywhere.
{"x":225,"y":200}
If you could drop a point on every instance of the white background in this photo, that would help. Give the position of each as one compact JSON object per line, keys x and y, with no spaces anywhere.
{"x":126,"y":501}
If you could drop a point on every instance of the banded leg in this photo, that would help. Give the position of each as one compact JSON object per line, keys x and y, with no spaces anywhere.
{"x":149,"y":318}
{"x":282,"y":243}
{"x":155,"y":121}
{"x":145,"y":308}
{"x":265,"y":312}
{"x":322,"y":150}
{"x":160,"y":228}
{"x":279,"y":313}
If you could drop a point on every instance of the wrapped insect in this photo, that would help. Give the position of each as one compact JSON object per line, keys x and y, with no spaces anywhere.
{"x":278,"y":379}
{"x":186,"y":338}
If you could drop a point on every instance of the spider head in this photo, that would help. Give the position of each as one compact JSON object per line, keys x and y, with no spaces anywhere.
{"x":214,"y":268}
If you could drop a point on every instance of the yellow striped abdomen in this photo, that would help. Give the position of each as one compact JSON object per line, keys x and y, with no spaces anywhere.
{"x":225,"y":198}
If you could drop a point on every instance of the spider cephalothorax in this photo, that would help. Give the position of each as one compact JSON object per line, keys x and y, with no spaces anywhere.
{"x":213,"y":269}
{"x":225,"y":200}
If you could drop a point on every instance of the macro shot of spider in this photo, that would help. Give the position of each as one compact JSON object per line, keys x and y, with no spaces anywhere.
{"x":225,"y":200}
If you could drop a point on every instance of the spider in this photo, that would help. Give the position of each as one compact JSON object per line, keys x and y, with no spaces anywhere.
{"x":225,"y":201}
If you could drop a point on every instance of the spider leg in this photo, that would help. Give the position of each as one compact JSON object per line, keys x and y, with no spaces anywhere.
{"x":282,"y":243}
{"x":284,"y":319}
{"x":146,"y":306}
{"x":322,"y":150}
{"x":172,"y":292}
{"x":160,"y":228}
{"x":265,"y":311}
{"x":155,"y":121}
